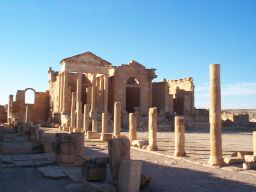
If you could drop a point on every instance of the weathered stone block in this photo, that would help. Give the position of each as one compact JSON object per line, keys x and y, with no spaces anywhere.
{"x":106,"y":136}
{"x":68,"y":148}
{"x":34,"y":133}
{"x":65,"y":158}
{"x":48,"y":147}
{"x":233,"y":160}
{"x":94,"y":172}
{"x":241,"y":154}
{"x":15,"y":147}
{"x":139,"y":143}
{"x":93,"y":135}
{"x":249,"y":158}
{"x":249,"y":166}
{"x":119,"y":149}
{"x":129,"y":176}
{"x":64,"y":137}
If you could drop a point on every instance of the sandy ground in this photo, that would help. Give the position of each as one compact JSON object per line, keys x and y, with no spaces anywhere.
{"x":197,"y":144}
{"x":167,"y":173}
{"x":171,"y":175}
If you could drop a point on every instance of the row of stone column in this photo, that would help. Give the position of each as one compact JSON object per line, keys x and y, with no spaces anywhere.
{"x":216,"y":158}
{"x":152,"y":131}
{"x":78,"y":120}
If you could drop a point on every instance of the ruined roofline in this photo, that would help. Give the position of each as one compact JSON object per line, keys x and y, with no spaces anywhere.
{"x":134,"y":62}
{"x":87,"y":52}
{"x":182,"y":79}
{"x":185,"y":79}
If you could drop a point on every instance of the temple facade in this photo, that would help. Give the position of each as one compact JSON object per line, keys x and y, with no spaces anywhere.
{"x":86,"y":82}
{"x":97,"y":83}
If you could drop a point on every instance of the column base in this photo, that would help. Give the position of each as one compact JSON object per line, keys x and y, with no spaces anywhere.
{"x":106,"y":136}
{"x":216,"y":162}
{"x":94,"y":125}
{"x":179,"y":154}
{"x":152,"y":148}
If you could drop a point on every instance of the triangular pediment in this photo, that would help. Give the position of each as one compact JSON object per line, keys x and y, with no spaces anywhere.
{"x":86,"y":58}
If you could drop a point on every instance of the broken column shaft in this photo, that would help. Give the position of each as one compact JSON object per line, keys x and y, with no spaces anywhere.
{"x":132,"y":126}
{"x":152,"y":129}
{"x":117,"y":119}
{"x":179,"y":136}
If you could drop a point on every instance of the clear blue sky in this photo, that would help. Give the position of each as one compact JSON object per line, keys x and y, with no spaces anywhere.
{"x":179,"y":38}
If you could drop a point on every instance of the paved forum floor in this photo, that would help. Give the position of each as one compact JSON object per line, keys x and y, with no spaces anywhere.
{"x":197,"y":145}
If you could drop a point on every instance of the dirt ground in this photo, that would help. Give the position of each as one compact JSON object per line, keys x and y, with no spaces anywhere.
{"x":171,"y":175}
{"x":168,"y":174}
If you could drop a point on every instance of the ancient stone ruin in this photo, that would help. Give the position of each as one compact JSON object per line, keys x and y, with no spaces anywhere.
{"x":94,"y":115}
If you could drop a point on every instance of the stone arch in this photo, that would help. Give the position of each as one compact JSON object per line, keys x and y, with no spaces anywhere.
{"x":29,"y":99}
{"x":132,"y":94}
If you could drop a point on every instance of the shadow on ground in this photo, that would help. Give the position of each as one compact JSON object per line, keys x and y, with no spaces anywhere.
{"x":173,"y":179}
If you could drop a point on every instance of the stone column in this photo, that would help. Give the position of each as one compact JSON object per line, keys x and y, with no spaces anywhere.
{"x":78,"y":102}
{"x":106,"y":93}
{"x":94,"y":125}
{"x":254,"y":143}
{"x":132,"y":126}
{"x":166,"y":97}
{"x":101,"y":89}
{"x":152,"y":129}
{"x":93,"y":95}
{"x":93,"y":104}
{"x":117,"y":119}
{"x":104,"y":121}
{"x":26,"y":114}
{"x":86,"y":117}
{"x":9,"y":109}
{"x":179,"y":136}
{"x":216,"y":158}
{"x":64,"y":93}
{"x":61,"y":92}
{"x":73,"y":111}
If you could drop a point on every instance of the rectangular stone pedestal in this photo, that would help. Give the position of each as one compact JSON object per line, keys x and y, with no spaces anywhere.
{"x":94,"y":172}
{"x":129,"y":176}
{"x":105,"y":136}
{"x":93,"y":135}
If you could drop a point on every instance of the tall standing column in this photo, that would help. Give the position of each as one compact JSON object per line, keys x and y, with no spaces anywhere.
{"x":78,"y":102}
{"x":105,"y":93}
{"x":61,"y":92}
{"x":64,"y":93}
{"x":117,"y":119}
{"x":166,"y":97}
{"x":9,"y":109}
{"x":152,"y":129}
{"x":179,"y":136}
{"x":86,"y":117}
{"x":93,"y":104}
{"x":26,"y":115}
{"x":254,"y":143}
{"x":73,"y":110}
{"x":216,"y":158}
{"x":132,"y":126}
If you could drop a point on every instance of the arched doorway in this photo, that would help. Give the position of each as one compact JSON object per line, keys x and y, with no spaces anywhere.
{"x":132,"y":94}
{"x":30,"y":94}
